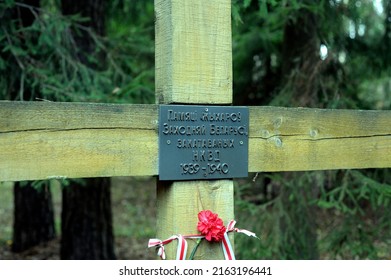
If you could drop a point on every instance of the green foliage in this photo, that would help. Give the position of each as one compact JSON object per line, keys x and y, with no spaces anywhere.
{"x":40,"y":61}
{"x":348,"y":211}
{"x":362,"y":205}
{"x":327,"y":214}
{"x":324,"y":214}
{"x":352,"y":31}
{"x":131,"y":29}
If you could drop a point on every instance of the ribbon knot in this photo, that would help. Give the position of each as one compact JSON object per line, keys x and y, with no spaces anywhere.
{"x":231,"y":228}
{"x":182,"y":243}
{"x":182,"y":246}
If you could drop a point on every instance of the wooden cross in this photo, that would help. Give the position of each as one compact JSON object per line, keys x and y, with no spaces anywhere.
{"x":44,"y":140}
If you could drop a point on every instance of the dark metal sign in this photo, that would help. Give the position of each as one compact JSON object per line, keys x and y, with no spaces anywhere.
{"x":203,"y":142}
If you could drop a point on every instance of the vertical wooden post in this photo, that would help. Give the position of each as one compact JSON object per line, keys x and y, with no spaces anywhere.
{"x":193,"y":66}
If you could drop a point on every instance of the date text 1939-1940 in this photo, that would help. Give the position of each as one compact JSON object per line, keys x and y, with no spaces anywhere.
{"x":202,"y":142}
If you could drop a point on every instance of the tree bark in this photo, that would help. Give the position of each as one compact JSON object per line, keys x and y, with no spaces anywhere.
{"x":87,"y":232}
{"x":86,"y":228}
{"x":33,"y":216}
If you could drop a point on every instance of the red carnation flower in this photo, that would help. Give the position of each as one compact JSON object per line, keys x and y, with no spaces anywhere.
{"x":211,"y":226}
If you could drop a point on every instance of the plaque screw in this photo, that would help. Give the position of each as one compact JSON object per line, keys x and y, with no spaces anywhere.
{"x":241,"y":142}
{"x":206,"y":109}
{"x":168,"y":142}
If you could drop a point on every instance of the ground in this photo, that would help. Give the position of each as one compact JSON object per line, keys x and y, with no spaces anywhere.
{"x":126,"y":249}
{"x":133,"y":205}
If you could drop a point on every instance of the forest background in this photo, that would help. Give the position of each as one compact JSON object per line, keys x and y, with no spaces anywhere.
{"x":299,"y":53}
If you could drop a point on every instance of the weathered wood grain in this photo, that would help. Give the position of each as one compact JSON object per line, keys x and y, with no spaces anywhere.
{"x":296,"y":139}
{"x":39,"y":140}
{"x":193,"y":66}
{"x":193,"y":51}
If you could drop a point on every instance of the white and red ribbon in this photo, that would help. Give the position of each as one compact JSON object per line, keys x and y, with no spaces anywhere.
{"x":160,"y":245}
{"x":227,"y":248}
{"x":182,"y":243}
{"x":231,"y":227}
{"x":226,"y":244}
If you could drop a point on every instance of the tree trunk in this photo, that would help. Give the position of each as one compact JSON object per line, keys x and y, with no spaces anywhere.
{"x":87,"y":232}
{"x":33,"y":207}
{"x":86,"y":228}
{"x":300,"y":75}
{"x":300,"y":56}
{"x":33,"y":216}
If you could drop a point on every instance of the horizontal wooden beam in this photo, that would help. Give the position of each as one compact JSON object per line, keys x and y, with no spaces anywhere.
{"x":40,"y":140}
{"x":299,"y":139}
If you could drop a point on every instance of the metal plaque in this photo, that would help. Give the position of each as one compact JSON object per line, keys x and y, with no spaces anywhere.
{"x":203,"y":142}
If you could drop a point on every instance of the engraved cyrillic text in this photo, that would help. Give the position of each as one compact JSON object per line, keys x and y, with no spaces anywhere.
{"x":202,"y":142}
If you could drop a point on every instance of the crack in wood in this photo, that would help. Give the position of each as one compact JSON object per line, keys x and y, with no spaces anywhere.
{"x":319,"y":138}
{"x":74,"y":129}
